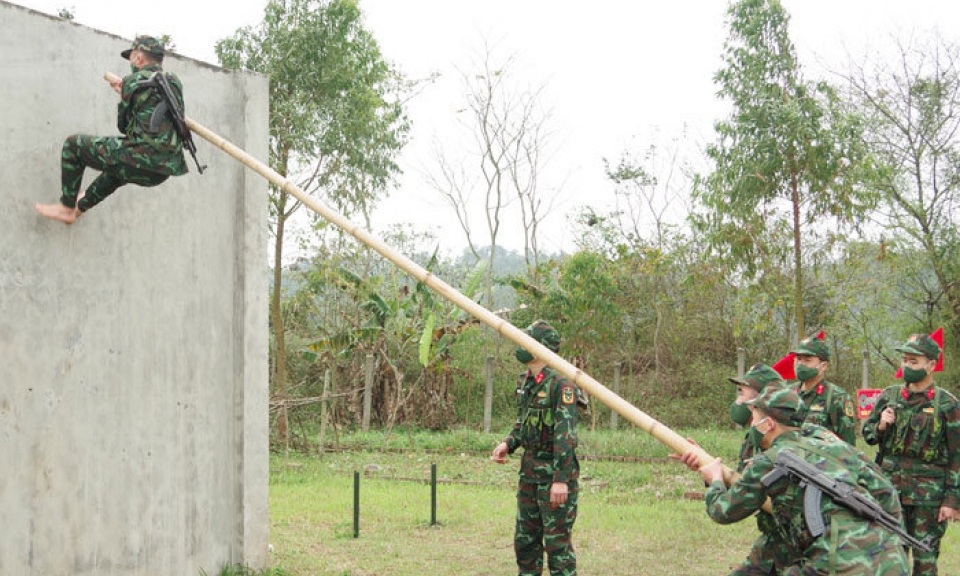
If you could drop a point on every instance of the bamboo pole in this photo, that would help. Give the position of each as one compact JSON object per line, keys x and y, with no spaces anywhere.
{"x":596,"y":390}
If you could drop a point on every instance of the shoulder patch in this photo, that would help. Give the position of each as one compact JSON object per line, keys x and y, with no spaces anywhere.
{"x":567,"y":395}
{"x":848,"y":409}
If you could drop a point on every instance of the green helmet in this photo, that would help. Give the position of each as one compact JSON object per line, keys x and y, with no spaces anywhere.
{"x":812,"y":347}
{"x":147,"y":44}
{"x":921,"y":345}
{"x":545,"y":334}
{"x":782,"y":404}
{"x":758,"y":377}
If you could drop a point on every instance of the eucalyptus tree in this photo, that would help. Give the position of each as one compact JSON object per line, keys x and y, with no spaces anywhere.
{"x":788,"y":159}
{"x":913,"y":107}
{"x":336,"y":116}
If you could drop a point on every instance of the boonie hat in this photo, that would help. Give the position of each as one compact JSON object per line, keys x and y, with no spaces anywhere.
{"x":758,"y":377}
{"x":921,"y":345}
{"x":147,"y":44}
{"x":545,"y":334}
{"x":813,"y":347}
{"x":782,"y":404}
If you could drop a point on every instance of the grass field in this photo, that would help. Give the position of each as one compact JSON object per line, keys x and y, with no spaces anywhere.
{"x":635,"y":517}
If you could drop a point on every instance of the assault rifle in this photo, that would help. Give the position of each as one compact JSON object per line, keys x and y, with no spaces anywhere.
{"x":816,"y":483}
{"x":171,"y":105}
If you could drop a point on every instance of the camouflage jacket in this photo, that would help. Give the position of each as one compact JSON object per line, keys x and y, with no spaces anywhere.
{"x":159,"y":150}
{"x":546,"y":428}
{"x":852,"y":545}
{"x":920,"y":452}
{"x":765,"y":522}
{"x":830,"y":406}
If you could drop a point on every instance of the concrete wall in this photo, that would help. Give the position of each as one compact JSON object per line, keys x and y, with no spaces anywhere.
{"x":133,"y":344}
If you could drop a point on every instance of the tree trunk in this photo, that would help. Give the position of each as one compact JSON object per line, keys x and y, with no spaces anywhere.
{"x":797,"y":258}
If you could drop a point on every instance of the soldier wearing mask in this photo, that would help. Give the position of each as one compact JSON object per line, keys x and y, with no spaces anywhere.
{"x":849,"y":544}
{"x":767,"y":551}
{"x":546,"y":429}
{"x":149,"y":152}
{"x":916,"y":426}
{"x":828,"y":405}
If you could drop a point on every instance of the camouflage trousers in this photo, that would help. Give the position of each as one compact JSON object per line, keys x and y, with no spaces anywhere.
{"x":760,"y":560}
{"x":104,"y":153}
{"x":920,"y":522}
{"x":541,"y":528}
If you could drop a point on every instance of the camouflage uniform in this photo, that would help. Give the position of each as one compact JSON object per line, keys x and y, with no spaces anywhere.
{"x":763,"y":557}
{"x":850,"y":546}
{"x":546,"y":428}
{"x":828,"y":405}
{"x":920,"y":452}
{"x":146,"y":155}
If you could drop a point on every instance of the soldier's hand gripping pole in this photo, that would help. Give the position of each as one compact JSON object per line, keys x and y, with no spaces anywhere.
{"x":507,"y":330}
{"x":180,"y":122}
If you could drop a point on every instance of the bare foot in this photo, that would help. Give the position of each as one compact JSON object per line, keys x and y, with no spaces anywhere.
{"x":57,"y":212}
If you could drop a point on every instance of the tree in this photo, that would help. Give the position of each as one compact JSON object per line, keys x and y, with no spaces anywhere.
{"x":913,"y":109}
{"x":510,"y":131}
{"x":336,"y":122}
{"x":788,"y":157}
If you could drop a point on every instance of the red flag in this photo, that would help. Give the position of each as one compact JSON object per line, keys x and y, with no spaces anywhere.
{"x":937,"y":336}
{"x":784,"y":366}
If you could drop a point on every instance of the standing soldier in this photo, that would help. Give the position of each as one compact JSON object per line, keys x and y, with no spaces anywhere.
{"x":849,"y":544}
{"x":828,"y":405}
{"x":546,"y":428}
{"x":150,"y":151}
{"x":917,"y":428}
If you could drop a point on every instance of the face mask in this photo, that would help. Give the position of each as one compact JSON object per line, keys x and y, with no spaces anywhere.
{"x":912,"y":376}
{"x":754,"y":436}
{"x":523,"y":356}
{"x":740,"y":413}
{"x":805,"y":373}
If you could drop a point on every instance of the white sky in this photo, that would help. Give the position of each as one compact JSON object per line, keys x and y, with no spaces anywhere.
{"x":618,"y":74}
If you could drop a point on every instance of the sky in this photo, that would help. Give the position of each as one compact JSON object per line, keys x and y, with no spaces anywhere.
{"x":616,"y":75}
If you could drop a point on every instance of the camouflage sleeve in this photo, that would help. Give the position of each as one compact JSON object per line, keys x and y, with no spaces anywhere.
{"x":743,"y":498}
{"x":513,"y":438}
{"x":844,"y":417}
{"x":125,"y":107}
{"x":564,"y":430}
{"x":870,"y":433}
{"x":951,"y":488}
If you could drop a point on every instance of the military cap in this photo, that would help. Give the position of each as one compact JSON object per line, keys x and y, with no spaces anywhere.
{"x":813,"y":347}
{"x":782,"y":404}
{"x":921,"y":345}
{"x":758,"y":377}
{"x":545,"y":334}
{"x":147,"y":44}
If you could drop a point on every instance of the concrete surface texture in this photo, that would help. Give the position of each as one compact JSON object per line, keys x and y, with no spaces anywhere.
{"x":133,"y":344}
